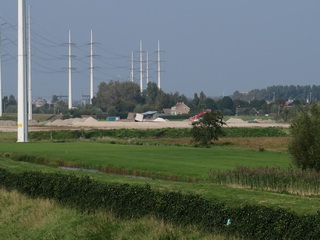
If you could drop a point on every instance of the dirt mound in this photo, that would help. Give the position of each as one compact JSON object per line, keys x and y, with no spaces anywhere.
{"x":90,"y":121}
{"x":33,"y":122}
{"x":235,"y":121}
{"x":159,"y":120}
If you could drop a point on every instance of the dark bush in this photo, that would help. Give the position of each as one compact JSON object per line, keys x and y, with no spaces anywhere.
{"x":305,"y":144}
{"x":126,"y":201}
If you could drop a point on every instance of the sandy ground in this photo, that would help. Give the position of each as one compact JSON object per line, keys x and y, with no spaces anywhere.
{"x":90,"y":123}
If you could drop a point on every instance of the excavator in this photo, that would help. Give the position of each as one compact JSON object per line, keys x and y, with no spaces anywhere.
{"x":198,"y":116}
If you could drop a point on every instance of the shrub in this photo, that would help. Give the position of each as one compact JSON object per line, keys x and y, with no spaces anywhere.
{"x":254,"y":132}
{"x":305,"y":144}
{"x":126,"y":201}
{"x":208,"y":128}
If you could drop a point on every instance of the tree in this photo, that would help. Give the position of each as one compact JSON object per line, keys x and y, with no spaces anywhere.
{"x":226,"y":105}
{"x":211,"y":104}
{"x":54,"y":99}
{"x":305,"y":143}
{"x":202,"y":101}
{"x":110,"y":93}
{"x":208,"y":128}
{"x":151,"y":92}
{"x":12,"y":100}
{"x":195,"y":103}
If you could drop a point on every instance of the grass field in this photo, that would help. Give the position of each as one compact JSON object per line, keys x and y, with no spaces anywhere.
{"x":186,"y":162}
{"x":169,"y":168}
{"x":181,"y":161}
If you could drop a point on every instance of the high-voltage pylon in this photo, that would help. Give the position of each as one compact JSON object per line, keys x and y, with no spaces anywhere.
{"x":159,"y":66}
{"x":70,"y":68}
{"x":91,"y":69}
{"x":141,"y":70}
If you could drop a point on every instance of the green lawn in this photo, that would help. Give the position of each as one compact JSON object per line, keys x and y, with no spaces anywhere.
{"x":167,"y":160}
{"x":180,"y":161}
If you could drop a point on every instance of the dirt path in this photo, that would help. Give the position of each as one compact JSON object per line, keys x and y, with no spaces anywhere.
{"x":90,"y":123}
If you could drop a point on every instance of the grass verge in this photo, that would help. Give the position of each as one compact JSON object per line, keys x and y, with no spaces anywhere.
{"x":24,"y":218}
{"x":232,"y":196}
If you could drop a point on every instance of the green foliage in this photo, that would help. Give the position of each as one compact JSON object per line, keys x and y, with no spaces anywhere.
{"x":115,"y":92}
{"x":114,"y":133}
{"x":208,"y":128}
{"x":150,"y":133}
{"x":281,"y":92}
{"x":226,"y":104}
{"x":72,"y":113}
{"x":254,"y":132}
{"x":25,"y":218}
{"x":127,"y":201}
{"x":270,"y":179}
{"x":305,"y":144}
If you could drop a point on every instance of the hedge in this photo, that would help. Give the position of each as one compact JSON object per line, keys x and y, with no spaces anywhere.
{"x":128,"y":201}
{"x":254,"y":132}
{"x":147,"y":133}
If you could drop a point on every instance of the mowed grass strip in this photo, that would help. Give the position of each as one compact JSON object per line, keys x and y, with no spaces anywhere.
{"x":181,"y":161}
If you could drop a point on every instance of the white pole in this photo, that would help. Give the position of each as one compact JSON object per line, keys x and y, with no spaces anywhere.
{"x":141,"y":87}
{"x":132,"y":67}
{"x":22,"y":79}
{"x":91,"y":69}
{"x":159,"y":70}
{"x":147,"y":68}
{"x":29,"y":66}
{"x":70,"y":74}
{"x":0,"y":72}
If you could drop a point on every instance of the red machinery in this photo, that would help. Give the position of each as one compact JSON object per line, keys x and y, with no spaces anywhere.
{"x":198,"y":116}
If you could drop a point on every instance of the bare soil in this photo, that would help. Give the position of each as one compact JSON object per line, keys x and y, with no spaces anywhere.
{"x":90,"y":123}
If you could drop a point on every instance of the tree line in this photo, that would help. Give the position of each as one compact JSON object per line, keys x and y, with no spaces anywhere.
{"x":117,"y":98}
{"x":301,"y":93}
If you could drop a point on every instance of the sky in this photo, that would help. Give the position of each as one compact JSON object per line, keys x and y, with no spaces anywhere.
{"x":215,"y":46}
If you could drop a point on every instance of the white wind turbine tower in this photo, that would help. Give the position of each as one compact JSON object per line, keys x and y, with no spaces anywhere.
{"x":29,"y":66}
{"x":0,"y":72}
{"x":22,"y":78}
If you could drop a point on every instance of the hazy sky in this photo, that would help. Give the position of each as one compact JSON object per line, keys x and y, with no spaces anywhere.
{"x":218,"y":46}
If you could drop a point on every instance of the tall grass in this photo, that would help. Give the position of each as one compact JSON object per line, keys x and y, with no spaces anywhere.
{"x":25,"y":219}
{"x":293,"y":181}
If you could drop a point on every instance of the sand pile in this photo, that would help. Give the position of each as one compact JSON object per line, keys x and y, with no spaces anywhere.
{"x":33,"y":122}
{"x":66,"y":122}
{"x":57,"y":122}
{"x":235,"y":121}
{"x":160,"y":120}
{"x":85,"y":122}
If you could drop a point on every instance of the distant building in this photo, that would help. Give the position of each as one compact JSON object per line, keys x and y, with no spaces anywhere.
{"x":167,"y":111}
{"x":39,"y":102}
{"x":180,"y":108}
